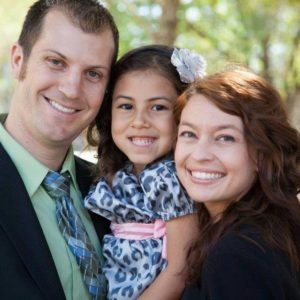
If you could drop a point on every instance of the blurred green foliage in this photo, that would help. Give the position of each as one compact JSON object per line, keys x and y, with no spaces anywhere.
{"x":263,"y":34}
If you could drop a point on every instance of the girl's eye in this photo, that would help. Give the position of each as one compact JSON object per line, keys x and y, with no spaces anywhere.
{"x":187,"y":134}
{"x":158,"y":107}
{"x":226,"y":138}
{"x":125,"y":106}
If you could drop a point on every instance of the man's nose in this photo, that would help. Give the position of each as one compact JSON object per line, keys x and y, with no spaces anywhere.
{"x":70,"y":84}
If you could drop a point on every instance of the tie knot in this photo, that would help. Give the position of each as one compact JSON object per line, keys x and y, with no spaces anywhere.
{"x":57,"y":185}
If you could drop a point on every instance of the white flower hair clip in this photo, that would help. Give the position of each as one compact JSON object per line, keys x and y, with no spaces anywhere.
{"x":190,"y":65}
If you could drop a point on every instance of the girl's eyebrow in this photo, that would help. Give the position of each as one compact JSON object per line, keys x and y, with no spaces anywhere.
{"x":150,"y":99}
{"x":123,"y":97}
{"x":160,"y":98}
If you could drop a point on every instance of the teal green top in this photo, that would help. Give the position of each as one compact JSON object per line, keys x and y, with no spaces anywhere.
{"x":33,"y":173}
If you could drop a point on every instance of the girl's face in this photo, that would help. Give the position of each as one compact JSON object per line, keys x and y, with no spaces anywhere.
{"x":212,"y":156}
{"x":143,"y":125}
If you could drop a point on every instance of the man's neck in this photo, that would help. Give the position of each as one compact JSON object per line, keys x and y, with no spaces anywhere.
{"x":50,"y":155}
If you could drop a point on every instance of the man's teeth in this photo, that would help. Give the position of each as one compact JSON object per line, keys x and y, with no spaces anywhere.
{"x":142,"y":141}
{"x":206,"y":175}
{"x":61,"y":108}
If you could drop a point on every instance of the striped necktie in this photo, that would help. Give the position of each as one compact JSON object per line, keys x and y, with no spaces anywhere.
{"x":58,"y":187}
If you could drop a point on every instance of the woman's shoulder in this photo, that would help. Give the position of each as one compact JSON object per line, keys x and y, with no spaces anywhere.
{"x":243,"y":238}
{"x":245,"y":242}
{"x":244,"y":260}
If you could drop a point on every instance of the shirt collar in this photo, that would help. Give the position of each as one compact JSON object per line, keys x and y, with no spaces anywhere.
{"x":30,"y":169}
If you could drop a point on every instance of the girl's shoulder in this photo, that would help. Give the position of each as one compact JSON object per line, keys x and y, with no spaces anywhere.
{"x":166,"y":164}
{"x":164,"y":191}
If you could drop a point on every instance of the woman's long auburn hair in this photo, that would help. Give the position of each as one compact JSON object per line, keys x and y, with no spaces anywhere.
{"x":271,"y":205}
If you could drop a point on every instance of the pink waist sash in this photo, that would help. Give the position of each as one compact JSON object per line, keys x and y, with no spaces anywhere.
{"x":140,"y":231}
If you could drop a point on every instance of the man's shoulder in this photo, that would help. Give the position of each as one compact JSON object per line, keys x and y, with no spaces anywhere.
{"x":83,"y":164}
{"x":3,"y":118}
{"x":84,"y":174}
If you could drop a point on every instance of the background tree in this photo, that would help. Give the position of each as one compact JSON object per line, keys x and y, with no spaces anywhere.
{"x":263,"y":34}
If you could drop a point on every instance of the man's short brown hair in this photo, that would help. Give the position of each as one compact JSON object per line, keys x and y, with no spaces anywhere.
{"x":89,"y":15}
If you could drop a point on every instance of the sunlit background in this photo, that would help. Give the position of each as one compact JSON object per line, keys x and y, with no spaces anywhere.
{"x":262,"y":34}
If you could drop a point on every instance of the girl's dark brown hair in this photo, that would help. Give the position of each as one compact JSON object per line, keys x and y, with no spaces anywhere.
{"x":271,"y":205}
{"x":156,"y":58}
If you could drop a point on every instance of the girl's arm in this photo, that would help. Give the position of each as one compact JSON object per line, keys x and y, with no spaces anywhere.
{"x":171,"y":282}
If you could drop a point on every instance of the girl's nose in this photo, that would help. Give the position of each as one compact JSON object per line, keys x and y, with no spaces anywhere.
{"x":140,"y":120}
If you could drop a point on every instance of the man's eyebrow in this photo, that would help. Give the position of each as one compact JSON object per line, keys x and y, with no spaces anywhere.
{"x":64,"y":57}
{"x":57,"y":53}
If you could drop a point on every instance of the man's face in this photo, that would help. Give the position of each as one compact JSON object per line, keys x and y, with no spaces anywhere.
{"x":64,"y":82}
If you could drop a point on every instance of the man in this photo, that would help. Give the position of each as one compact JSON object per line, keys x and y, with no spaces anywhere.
{"x":62,"y":65}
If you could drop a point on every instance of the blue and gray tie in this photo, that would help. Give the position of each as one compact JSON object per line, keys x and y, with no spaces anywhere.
{"x":58,"y":187}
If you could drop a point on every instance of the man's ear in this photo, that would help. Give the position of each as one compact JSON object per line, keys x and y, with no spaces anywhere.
{"x":16,"y":61}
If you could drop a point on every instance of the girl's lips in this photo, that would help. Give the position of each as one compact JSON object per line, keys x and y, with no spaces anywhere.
{"x":142,"y":141}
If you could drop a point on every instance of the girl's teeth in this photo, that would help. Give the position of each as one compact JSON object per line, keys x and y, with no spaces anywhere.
{"x":142,"y":141}
{"x":206,"y":176}
{"x":61,"y":108}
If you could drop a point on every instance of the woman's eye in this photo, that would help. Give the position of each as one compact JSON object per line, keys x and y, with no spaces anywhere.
{"x":158,"y":107}
{"x":226,"y":138}
{"x":187,"y":134}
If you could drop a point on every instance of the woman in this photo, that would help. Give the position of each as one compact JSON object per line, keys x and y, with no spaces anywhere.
{"x":238,"y":158}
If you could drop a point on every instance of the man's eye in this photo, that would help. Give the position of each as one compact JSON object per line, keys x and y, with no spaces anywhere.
{"x":94,"y":74}
{"x":54,"y":62}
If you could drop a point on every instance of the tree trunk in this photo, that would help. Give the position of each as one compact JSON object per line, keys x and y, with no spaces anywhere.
{"x":293,"y":106}
{"x":266,"y":58}
{"x":168,"y":22}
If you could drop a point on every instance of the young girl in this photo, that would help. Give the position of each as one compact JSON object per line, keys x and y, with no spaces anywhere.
{"x":137,"y":189}
{"x":238,"y":158}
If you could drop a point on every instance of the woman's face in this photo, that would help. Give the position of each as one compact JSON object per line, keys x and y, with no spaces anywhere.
{"x":212,"y":156}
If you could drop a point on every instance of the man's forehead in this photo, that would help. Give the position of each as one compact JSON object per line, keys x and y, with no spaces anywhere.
{"x":58,"y":25}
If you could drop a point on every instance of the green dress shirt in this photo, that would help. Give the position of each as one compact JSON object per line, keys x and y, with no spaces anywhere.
{"x":33,"y":173}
